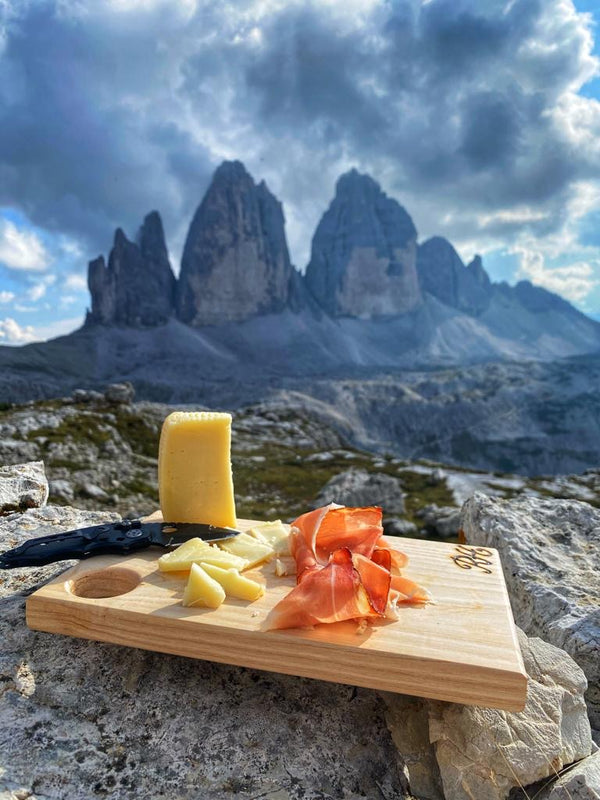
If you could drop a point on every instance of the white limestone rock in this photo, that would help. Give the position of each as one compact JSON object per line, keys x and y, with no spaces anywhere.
{"x":477,"y":753}
{"x":550,"y":552}
{"x":580,"y":782}
{"x":23,"y":486}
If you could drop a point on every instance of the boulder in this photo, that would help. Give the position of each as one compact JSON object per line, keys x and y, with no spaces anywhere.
{"x":82,"y":719}
{"x":93,"y":491}
{"x":62,"y":490}
{"x":472,"y":752}
{"x":580,"y":782}
{"x":550,"y":552}
{"x":119,"y":393}
{"x":399,"y":527}
{"x":23,"y":486}
{"x":442,"y":521}
{"x":357,"y":487}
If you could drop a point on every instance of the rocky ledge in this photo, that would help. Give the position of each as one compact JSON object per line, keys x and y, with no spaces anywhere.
{"x":82,"y":719}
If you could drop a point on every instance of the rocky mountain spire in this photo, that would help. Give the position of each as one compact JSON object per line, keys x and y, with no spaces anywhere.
{"x":363,"y":253}
{"x":235,"y":262}
{"x":443,"y":274}
{"x":137,"y":288}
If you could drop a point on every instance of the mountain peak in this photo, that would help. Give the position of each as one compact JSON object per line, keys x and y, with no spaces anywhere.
{"x":443,"y":275}
{"x":235,"y":262}
{"x":137,"y":288}
{"x":363,"y":252}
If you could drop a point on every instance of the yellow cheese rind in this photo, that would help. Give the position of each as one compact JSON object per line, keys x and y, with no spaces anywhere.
{"x":275,"y":534}
{"x":249,"y":548}
{"x":202,"y":590}
{"x":195,"y":551}
{"x":234,"y":584}
{"x":194,"y":468}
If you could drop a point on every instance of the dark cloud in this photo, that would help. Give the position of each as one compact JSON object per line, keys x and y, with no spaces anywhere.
{"x":453,"y":105}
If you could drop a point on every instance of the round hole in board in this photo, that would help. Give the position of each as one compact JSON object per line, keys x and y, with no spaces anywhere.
{"x":109,"y":582}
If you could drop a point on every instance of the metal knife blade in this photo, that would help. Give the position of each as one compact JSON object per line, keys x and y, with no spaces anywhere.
{"x":117,"y":538}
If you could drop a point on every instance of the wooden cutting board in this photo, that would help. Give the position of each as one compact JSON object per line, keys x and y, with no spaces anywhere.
{"x":462,"y":648}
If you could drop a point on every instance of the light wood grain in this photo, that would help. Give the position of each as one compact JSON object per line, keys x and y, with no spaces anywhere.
{"x":462,"y":648}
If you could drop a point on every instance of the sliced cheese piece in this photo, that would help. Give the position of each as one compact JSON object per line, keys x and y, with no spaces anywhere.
{"x":249,"y":548}
{"x":183,"y":556}
{"x":195,"y":551}
{"x":235,"y":585}
{"x":202,"y":590}
{"x":274,"y":533}
{"x":194,"y":468}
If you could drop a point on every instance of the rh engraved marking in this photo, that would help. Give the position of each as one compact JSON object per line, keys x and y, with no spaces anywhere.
{"x":469,"y":557}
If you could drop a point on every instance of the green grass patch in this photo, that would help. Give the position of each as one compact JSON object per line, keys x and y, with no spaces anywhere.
{"x":83,"y":428}
{"x":141,"y":435}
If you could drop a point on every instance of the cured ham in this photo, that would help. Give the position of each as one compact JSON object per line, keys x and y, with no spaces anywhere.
{"x":345,"y":570}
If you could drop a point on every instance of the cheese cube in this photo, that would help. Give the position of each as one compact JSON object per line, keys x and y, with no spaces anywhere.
{"x":202,"y":590}
{"x":249,"y":548}
{"x":194,"y":468}
{"x":235,"y":585}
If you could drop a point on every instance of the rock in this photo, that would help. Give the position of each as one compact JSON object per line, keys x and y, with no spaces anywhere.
{"x":580,"y":782}
{"x":357,"y":487}
{"x":236,"y":263}
{"x":399,"y":527}
{"x":550,"y":552}
{"x":23,"y":486}
{"x":363,"y":256}
{"x":408,"y":721}
{"x":120,"y":393}
{"x":62,"y":490}
{"x":482,"y":753}
{"x":81,"y":719}
{"x":137,"y":289}
{"x":436,"y":477}
{"x":93,"y":491}
{"x":442,"y":521}
{"x":443,"y":274}
{"x":86,"y":396}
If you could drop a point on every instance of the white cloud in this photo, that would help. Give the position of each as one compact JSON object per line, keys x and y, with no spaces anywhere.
{"x":13,"y":333}
{"x":573,"y":281}
{"x":76,"y":283}
{"x":59,"y":328}
{"x":38,"y":290}
{"x":67,"y":300}
{"x":6,"y":297}
{"x":21,"y":249}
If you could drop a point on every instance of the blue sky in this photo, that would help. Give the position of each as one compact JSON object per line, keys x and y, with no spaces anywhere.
{"x":482,"y":119}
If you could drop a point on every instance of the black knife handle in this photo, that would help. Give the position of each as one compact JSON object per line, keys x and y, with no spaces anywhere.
{"x":117,"y":538}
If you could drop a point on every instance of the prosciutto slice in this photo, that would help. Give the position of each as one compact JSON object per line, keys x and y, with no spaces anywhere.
{"x":345,"y":570}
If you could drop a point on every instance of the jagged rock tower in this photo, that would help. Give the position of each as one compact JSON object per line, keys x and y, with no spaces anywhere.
{"x":235,"y":262}
{"x":363,"y":253}
{"x":138,"y":286}
{"x":443,"y":274}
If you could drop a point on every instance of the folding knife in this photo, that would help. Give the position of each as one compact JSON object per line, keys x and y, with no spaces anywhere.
{"x":115,"y":538}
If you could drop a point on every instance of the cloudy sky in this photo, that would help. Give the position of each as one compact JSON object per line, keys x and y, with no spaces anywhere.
{"x":481,"y":118}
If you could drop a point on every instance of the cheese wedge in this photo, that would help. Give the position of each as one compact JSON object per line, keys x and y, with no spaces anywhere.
{"x":194,"y":468}
{"x":195,"y":551}
{"x":202,"y":590}
{"x":274,"y":533}
{"x":235,"y":585}
{"x":248,"y":547}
